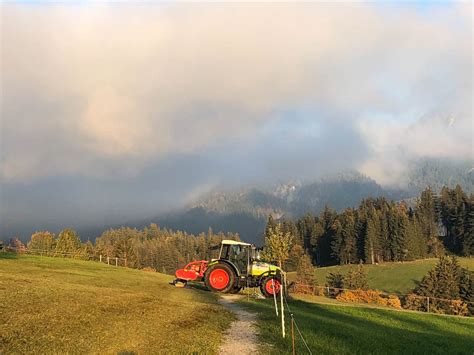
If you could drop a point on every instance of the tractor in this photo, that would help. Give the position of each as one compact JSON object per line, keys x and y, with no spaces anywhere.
{"x":238,"y":266}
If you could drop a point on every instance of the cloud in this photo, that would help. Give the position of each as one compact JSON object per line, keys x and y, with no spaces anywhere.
{"x":115,"y":111}
{"x":87,"y":89}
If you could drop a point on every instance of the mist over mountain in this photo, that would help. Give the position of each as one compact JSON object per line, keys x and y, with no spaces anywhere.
{"x":125,"y":118}
{"x":245,"y":210}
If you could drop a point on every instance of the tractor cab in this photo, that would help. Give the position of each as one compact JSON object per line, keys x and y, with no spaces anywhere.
{"x":237,"y":253}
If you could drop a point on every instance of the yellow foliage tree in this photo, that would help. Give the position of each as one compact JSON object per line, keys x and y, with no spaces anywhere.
{"x":277,"y":245}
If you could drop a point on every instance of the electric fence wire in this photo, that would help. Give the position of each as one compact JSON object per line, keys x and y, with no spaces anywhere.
{"x":296,"y":325}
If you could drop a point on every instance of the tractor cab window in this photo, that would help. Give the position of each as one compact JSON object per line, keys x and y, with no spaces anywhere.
{"x":232,"y":252}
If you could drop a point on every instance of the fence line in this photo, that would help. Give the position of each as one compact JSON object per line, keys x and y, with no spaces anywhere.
{"x":110,"y":260}
{"x":311,"y":288}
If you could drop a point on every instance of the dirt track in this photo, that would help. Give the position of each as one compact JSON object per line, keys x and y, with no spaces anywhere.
{"x":241,"y":337}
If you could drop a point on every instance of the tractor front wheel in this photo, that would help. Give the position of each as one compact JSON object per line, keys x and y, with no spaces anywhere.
{"x":220,"y":278}
{"x":270,"y":285}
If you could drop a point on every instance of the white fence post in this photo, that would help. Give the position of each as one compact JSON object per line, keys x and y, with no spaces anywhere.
{"x":282,"y":289}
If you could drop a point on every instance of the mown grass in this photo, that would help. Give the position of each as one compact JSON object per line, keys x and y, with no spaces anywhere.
{"x":334,"y":329}
{"x":51,"y":305}
{"x":390,"y":277}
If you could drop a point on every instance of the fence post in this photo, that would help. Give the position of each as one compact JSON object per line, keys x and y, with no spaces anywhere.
{"x":100,"y":257}
{"x":116,"y":261}
{"x":282,"y":290}
{"x":293,"y":333}
{"x":108,"y":261}
{"x":428,"y":304}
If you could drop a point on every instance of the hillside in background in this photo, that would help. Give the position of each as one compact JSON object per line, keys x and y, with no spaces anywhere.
{"x":245,"y":211}
{"x":394,"y":277}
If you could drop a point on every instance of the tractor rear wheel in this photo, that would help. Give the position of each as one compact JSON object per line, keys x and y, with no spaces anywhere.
{"x":220,"y":278}
{"x":270,"y":285}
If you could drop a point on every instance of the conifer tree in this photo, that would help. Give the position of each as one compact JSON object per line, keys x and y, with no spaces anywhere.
{"x":443,"y":282}
{"x":468,"y":242}
{"x":305,"y":271}
{"x":344,"y":242}
{"x":356,"y":278}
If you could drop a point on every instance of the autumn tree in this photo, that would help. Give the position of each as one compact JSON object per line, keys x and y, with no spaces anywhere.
{"x":42,"y":242}
{"x":277,"y":245}
{"x":68,"y":243}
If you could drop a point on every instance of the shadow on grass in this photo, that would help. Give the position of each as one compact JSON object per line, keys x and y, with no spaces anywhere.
{"x":336,"y":330}
{"x":6,"y":255}
{"x":197,"y":286}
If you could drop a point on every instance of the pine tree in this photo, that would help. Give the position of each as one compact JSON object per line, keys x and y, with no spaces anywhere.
{"x":370,"y":237}
{"x":427,"y":212}
{"x":468,"y":242}
{"x":466,"y":289}
{"x":443,"y":282}
{"x":305,"y":271}
{"x":356,"y":278}
{"x":344,"y":242}
{"x":326,"y":219}
{"x":296,"y":252}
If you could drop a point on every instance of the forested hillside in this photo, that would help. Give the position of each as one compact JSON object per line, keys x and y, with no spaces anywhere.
{"x":380,"y":230}
{"x":244,"y":211}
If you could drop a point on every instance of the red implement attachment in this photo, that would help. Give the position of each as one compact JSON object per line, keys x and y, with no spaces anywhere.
{"x":192,"y":271}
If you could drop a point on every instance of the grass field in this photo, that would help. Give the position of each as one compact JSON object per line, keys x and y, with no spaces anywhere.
{"x":336,"y":329}
{"x":62,"y":305}
{"x":390,"y":277}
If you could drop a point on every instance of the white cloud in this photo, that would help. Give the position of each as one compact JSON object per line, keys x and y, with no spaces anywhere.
{"x":89,"y":89}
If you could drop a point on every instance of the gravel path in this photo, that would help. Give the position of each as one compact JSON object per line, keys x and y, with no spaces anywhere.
{"x":241,"y":337}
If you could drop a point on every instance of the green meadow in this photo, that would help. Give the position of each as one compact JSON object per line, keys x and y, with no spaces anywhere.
{"x":53,"y":305}
{"x":344,"y":329}
{"x":390,"y":277}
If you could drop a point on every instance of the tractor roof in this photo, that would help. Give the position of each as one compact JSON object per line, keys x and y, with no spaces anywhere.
{"x":233,"y":242}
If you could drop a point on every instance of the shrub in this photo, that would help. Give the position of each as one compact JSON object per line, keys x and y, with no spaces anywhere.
{"x":394,"y":302}
{"x":369,"y":297}
{"x":415,"y":302}
{"x":458,"y":308}
{"x":148,"y":269}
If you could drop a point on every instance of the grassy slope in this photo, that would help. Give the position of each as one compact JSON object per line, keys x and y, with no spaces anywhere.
{"x":391,"y":277}
{"x":333,"y":329}
{"x":75,"y":306}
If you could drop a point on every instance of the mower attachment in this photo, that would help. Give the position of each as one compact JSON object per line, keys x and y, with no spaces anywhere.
{"x":192,"y":271}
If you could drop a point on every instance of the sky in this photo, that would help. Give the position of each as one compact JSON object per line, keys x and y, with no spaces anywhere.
{"x":112,"y":112}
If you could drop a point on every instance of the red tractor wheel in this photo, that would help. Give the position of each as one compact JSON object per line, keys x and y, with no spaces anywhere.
{"x":270,"y":285}
{"x":220,"y":278}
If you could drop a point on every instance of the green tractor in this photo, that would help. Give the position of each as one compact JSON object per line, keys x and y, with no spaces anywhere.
{"x":238,"y":266}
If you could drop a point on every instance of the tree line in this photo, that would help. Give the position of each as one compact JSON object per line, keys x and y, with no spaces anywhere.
{"x":379,"y":230}
{"x":163,"y":250}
